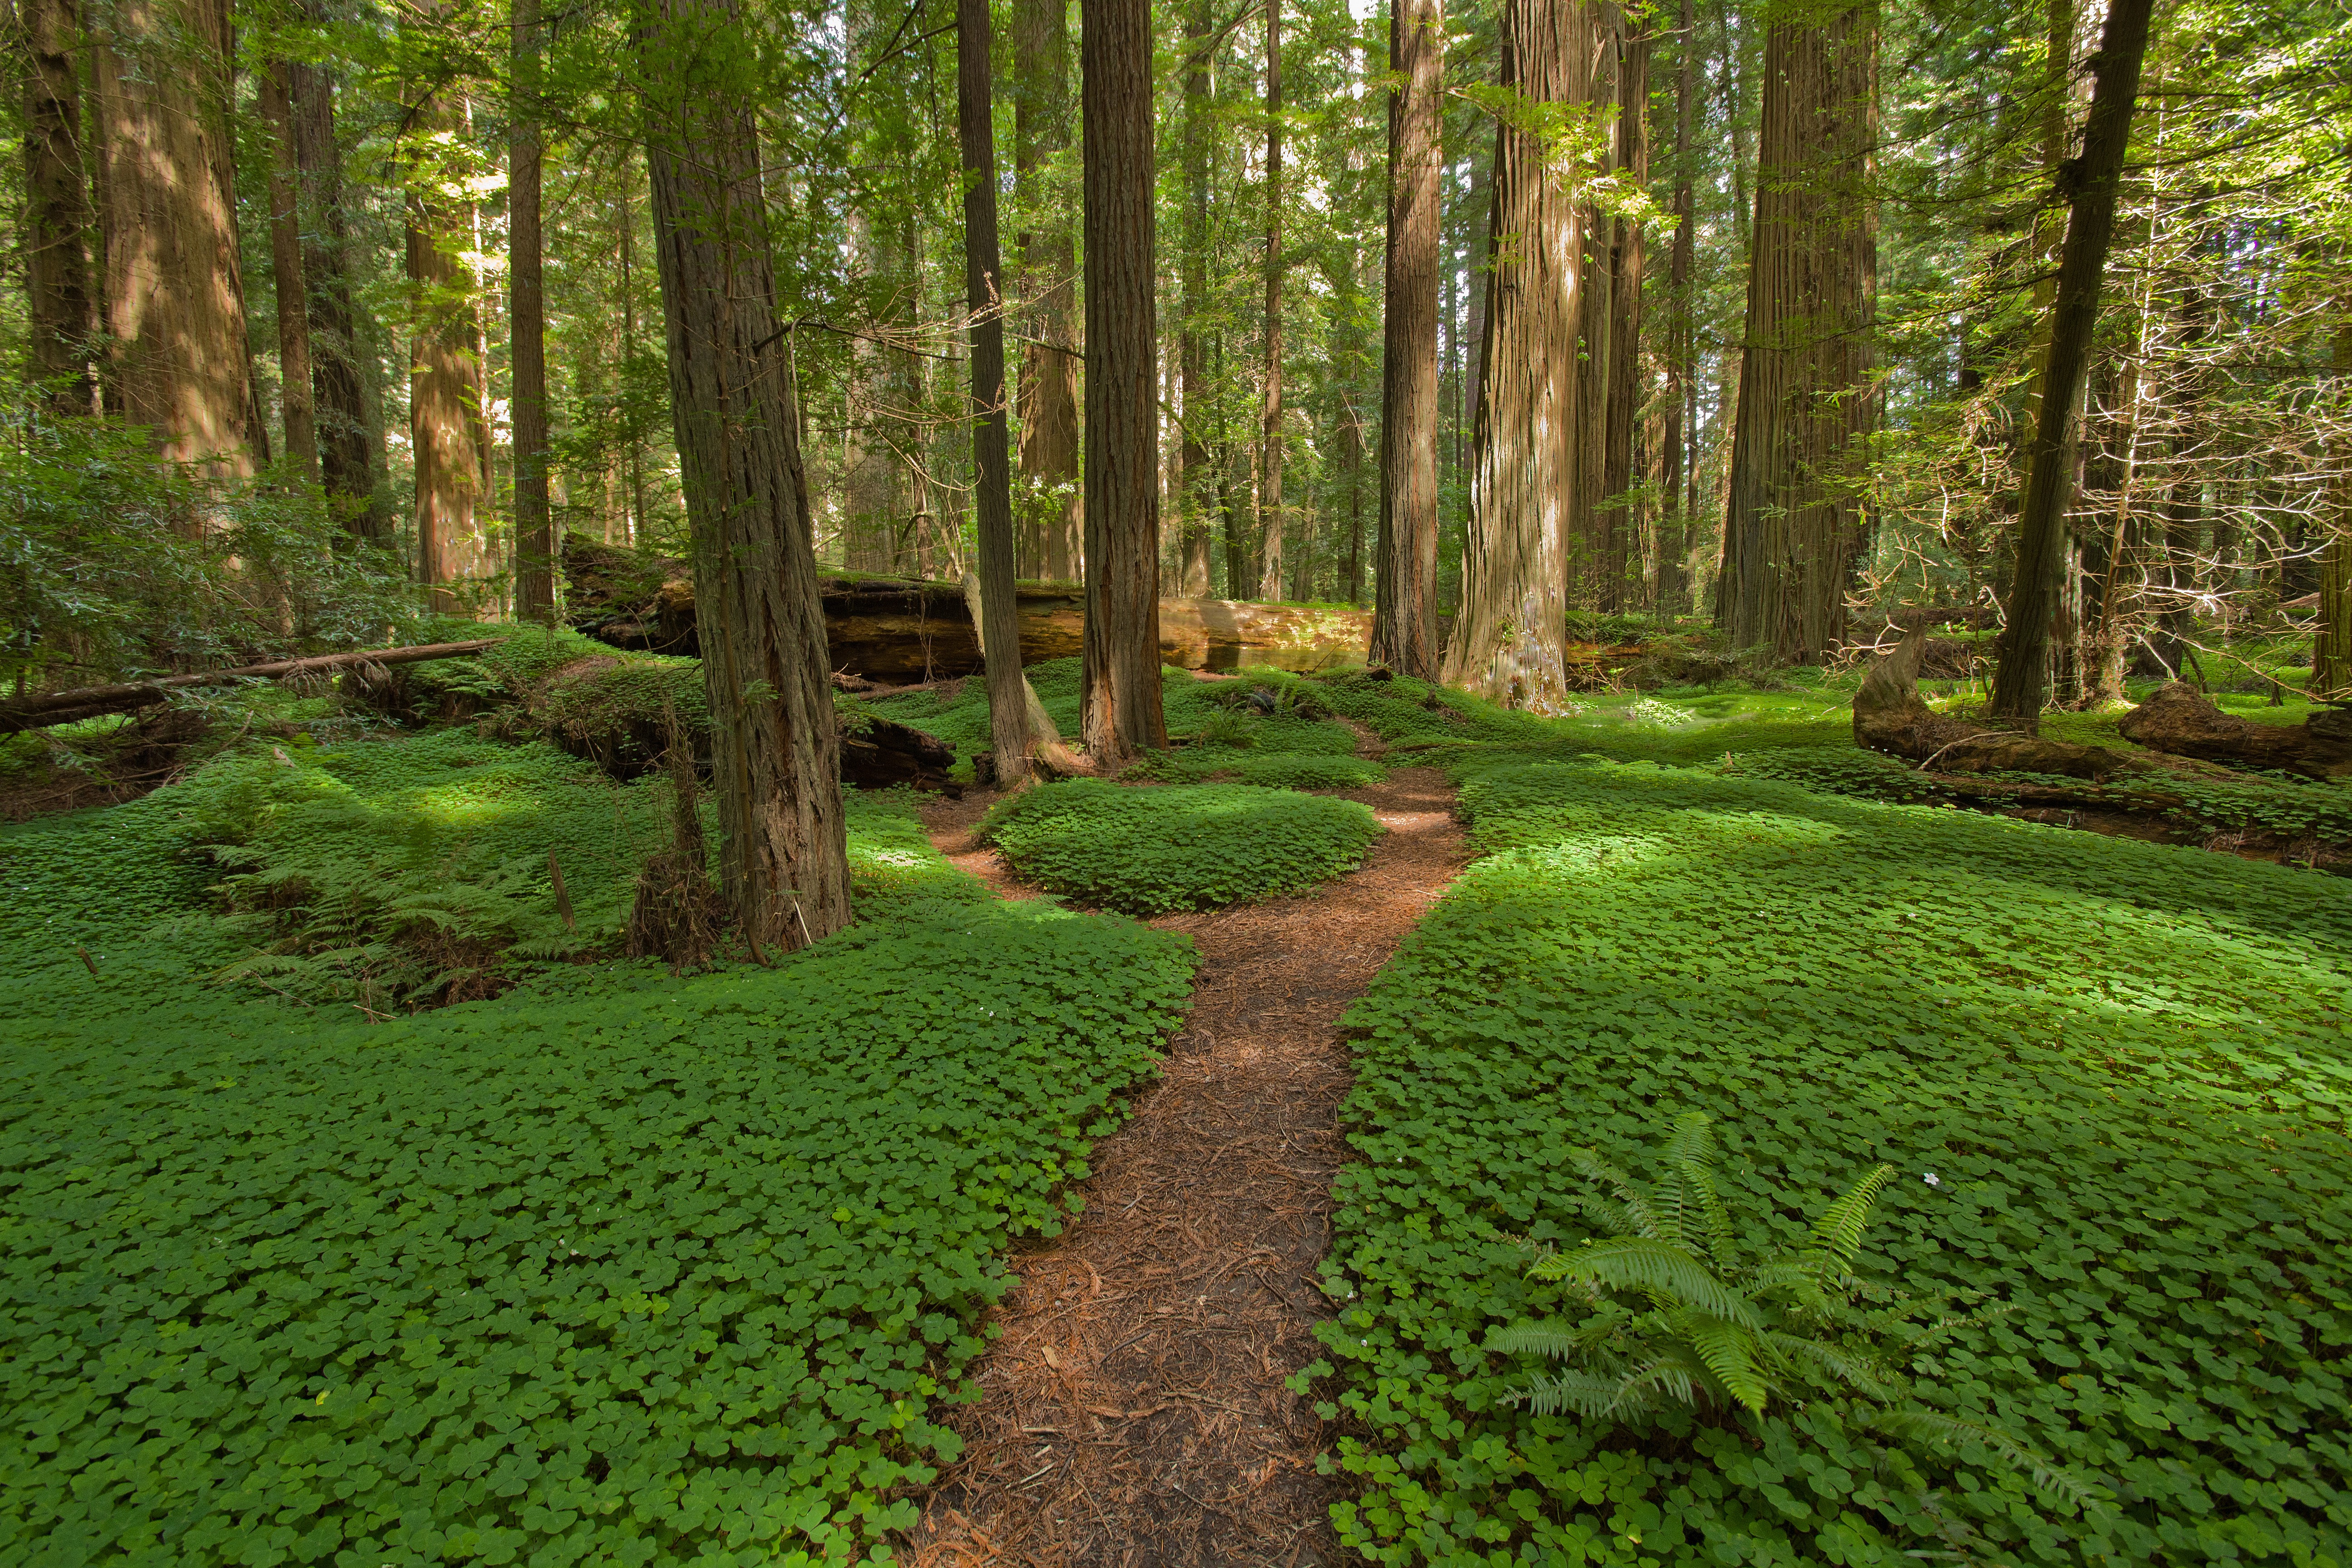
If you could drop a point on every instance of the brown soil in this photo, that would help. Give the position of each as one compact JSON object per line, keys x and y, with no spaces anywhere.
{"x":1134,"y":1413}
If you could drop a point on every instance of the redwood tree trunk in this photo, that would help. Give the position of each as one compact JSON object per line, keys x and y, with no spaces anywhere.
{"x":775,"y":760}
{"x":526,"y":329}
{"x":2331,"y":655}
{"x":2090,"y":185}
{"x":1119,"y":713}
{"x":1793,"y":519}
{"x":1673,"y":523}
{"x":1506,"y":640}
{"x":441,"y":378}
{"x":1000,"y":624}
{"x":346,"y":465}
{"x":174,"y":296}
{"x":60,"y":309}
{"x":1619,"y":471}
{"x":1199,"y":480}
{"x":1049,"y":374}
{"x":1404,"y":588}
{"x":1589,"y":526}
{"x":1270,"y":485}
{"x":285,"y":271}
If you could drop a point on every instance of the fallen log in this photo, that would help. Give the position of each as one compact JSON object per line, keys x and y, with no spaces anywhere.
{"x":896,"y":631}
{"x":2176,"y":718}
{"x":1888,"y":716}
{"x":35,"y":713}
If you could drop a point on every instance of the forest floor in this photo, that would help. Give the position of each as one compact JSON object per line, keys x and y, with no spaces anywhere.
{"x":1135,"y":1411}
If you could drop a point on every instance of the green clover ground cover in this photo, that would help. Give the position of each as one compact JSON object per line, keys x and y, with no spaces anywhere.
{"x":2112,"y":1077}
{"x":613,"y":1267}
{"x":1151,"y":849}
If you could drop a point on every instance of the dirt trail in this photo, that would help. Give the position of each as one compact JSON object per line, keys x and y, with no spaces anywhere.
{"x":1134,"y":1412}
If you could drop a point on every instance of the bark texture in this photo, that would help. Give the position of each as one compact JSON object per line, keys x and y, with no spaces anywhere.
{"x":2179,"y":718}
{"x":1506,"y":643}
{"x":1590,"y":527}
{"x":1671,"y":589}
{"x":60,"y":309}
{"x":1056,"y":507}
{"x":442,"y":375}
{"x":2331,"y":651}
{"x":999,"y":621}
{"x":1120,"y":713}
{"x":1192,"y":351}
{"x":275,"y":100}
{"x":346,"y":444}
{"x":1404,"y":616}
{"x":1620,"y":471}
{"x":527,"y":329}
{"x":1793,"y":517}
{"x":174,"y":294}
{"x":1269,"y":462}
{"x":2090,"y":185}
{"x":776,"y":755}
{"x":1888,"y":716}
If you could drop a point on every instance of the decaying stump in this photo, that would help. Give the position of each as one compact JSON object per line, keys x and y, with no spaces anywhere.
{"x":1889,"y":716}
{"x":679,"y":912}
{"x":2179,"y":720}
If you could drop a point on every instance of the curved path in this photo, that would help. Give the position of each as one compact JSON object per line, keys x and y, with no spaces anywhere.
{"x":1134,"y":1413}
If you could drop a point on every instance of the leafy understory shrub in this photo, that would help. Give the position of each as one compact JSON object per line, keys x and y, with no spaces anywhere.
{"x":2122,"y":1065}
{"x":1151,"y":849}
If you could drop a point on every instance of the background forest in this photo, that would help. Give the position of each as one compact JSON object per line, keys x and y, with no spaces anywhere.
{"x":433,"y":182}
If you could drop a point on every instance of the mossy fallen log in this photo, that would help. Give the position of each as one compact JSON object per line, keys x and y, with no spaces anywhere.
{"x":1889,"y":716}
{"x":2178,"y":719}
{"x":897,"y":631}
{"x":43,"y":709}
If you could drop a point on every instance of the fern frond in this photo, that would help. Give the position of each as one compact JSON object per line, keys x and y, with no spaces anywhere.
{"x":1837,"y":1235}
{"x":1575,"y":1394}
{"x":1659,"y":1267}
{"x":1692,"y":1141}
{"x":1835,"y":1366}
{"x":1730,"y":1353}
{"x":1639,"y":1215}
{"x":1917,"y":1421}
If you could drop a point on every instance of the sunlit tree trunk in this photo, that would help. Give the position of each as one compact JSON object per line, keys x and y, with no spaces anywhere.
{"x":276,"y":101}
{"x":442,"y":375}
{"x":61,"y":310}
{"x":1119,"y":712}
{"x":1049,"y":369}
{"x":2090,"y":185}
{"x":175,"y":297}
{"x":1793,"y":519}
{"x":1619,"y":521}
{"x":1506,"y":640}
{"x":1269,"y":462}
{"x":1404,"y":588}
{"x":1008,"y":719}
{"x":1673,"y":522}
{"x":527,"y":329}
{"x":775,"y":749}
{"x":1590,"y":527}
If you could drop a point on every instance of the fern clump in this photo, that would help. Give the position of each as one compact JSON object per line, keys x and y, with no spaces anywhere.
{"x":1178,"y":846}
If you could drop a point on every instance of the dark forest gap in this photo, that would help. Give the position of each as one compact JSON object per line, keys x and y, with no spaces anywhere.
{"x":1134,"y":1411}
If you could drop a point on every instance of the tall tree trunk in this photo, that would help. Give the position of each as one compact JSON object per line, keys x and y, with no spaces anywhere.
{"x":275,"y":100}
{"x":1404,"y":588}
{"x":1673,"y":524}
{"x":1793,"y":521}
{"x":526,"y":328}
{"x":1199,"y":480}
{"x":1049,"y":366}
{"x":1119,"y":713}
{"x":2090,"y":186}
{"x":1000,"y":624}
{"x":1592,"y":527}
{"x":1626,"y":247}
{"x":1269,"y":484}
{"x":175,"y":297}
{"x":1507,"y":639}
{"x":61,"y":310}
{"x":776,"y":752}
{"x":441,"y":382}
{"x":346,"y":461}
{"x":2331,"y":651}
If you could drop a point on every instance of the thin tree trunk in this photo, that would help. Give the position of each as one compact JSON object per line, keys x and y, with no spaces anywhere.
{"x":527,"y":326}
{"x":1120,"y":714}
{"x":1590,"y":527}
{"x":174,"y":298}
{"x":1404,"y":607}
{"x":2331,"y":653}
{"x":1000,"y":622}
{"x":61,"y":312}
{"x":1192,"y":351}
{"x":1049,"y":369}
{"x":1793,"y":521}
{"x":346,"y":465}
{"x":441,"y":382}
{"x":1269,"y":489}
{"x":276,"y":96}
{"x":1673,"y":524}
{"x":2090,"y":185}
{"x":1506,"y":640}
{"x":1626,"y":259}
{"x":776,"y":751}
